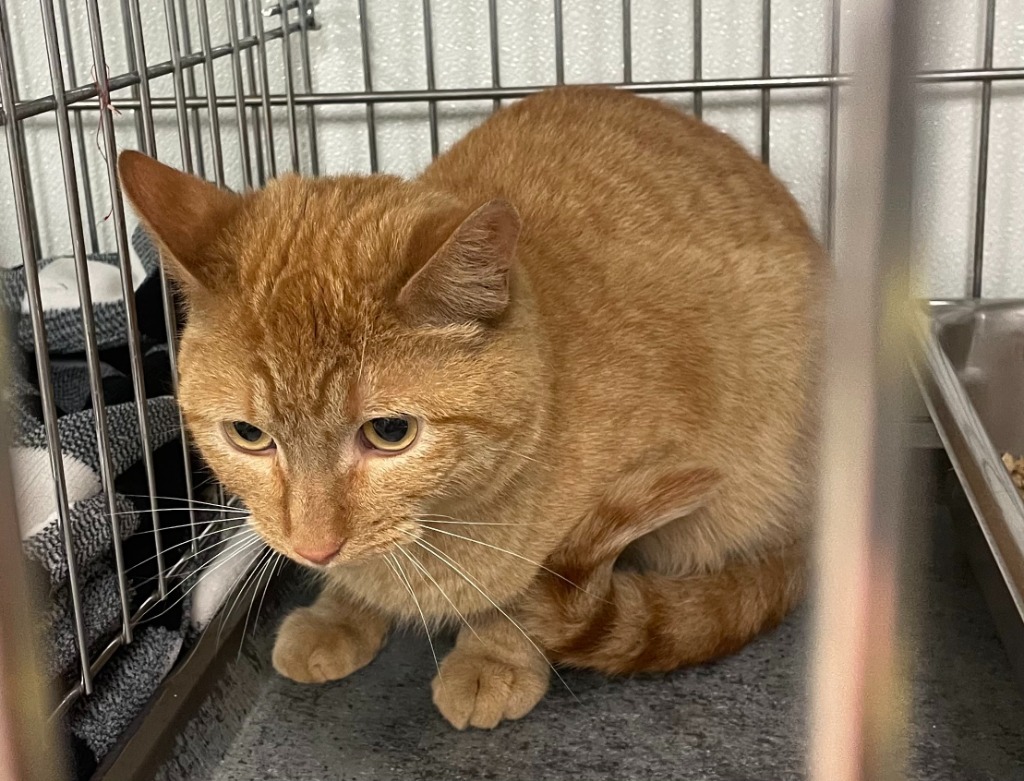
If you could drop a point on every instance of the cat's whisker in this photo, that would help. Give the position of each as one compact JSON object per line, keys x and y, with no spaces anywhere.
{"x":240,"y":591}
{"x":277,"y":559}
{"x":203,"y":574}
{"x":167,"y":548}
{"x":267,"y":559}
{"x":458,"y":571}
{"x":230,"y":546}
{"x":432,"y":516}
{"x":241,"y":520}
{"x":198,"y":524}
{"x":425,"y":574}
{"x":234,"y":522}
{"x":386,"y":558}
{"x":456,"y":522}
{"x":212,"y":621}
{"x":423,"y":618}
{"x":201,"y":502}
{"x":510,"y":553}
{"x":160,"y":510}
{"x":187,"y":557}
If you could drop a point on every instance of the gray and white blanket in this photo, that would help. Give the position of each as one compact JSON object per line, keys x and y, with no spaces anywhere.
{"x":125,"y":684}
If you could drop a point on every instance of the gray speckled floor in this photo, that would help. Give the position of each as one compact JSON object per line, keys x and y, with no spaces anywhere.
{"x":739,"y":719}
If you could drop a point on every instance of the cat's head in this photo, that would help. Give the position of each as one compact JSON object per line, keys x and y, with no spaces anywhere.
{"x":357,"y":352}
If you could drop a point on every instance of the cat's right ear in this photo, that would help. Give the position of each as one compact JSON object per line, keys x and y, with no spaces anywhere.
{"x":467,"y":279}
{"x":185,"y":216}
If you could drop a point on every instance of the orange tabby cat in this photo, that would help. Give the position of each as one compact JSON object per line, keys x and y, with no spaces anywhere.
{"x":588,"y":329}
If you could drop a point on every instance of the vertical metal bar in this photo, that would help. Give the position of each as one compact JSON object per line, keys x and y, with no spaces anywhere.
{"x":22,"y":206}
{"x":627,"y":41}
{"x":132,"y":62}
{"x":128,"y":290}
{"x":371,"y":119}
{"x":28,"y":751}
{"x":289,"y":84}
{"x":19,"y":139}
{"x":250,"y":69}
{"x":559,"y":45}
{"x":268,"y":124}
{"x":178,"y":76}
{"x":239,"y":87}
{"x":92,"y":355}
{"x":492,"y":18}
{"x":185,"y":147}
{"x":428,"y":46}
{"x":191,"y":91}
{"x":211,"y":91}
{"x":698,"y":56}
{"x":148,"y":132}
{"x":167,"y":296}
{"x":171,"y":326}
{"x":307,"y":85}
{"x":858,"y":682}
{"x":833,"y":130}
{"x":84,"y":174}
{"x":978,"y":267}
{"x":766,"y":71}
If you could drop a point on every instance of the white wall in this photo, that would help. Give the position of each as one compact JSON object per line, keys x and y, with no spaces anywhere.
{"x":662,"y":46}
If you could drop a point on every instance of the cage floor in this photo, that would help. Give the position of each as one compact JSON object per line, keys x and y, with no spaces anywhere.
{"x":742,"y":718}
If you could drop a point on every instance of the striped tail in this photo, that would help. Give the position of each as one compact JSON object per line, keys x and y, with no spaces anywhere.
{"x":618,"y":621}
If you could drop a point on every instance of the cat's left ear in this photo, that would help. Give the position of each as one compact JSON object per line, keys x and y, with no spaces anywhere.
{"x":185,"y":215}
{"x":466,"y":280}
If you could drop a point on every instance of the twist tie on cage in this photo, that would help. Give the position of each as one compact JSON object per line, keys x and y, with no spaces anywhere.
{"x":103,"y":97}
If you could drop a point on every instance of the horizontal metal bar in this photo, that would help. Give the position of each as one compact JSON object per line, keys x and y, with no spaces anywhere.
{"x":75,"y":96}
{"x":490,"y":93}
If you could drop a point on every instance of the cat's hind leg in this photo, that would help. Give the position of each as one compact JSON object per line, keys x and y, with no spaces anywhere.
{"x":622,"y":621}
{"x":329,"y":639}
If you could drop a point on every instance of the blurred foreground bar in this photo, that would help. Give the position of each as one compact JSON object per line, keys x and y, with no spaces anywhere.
{"x":26,"y":738}
{"x":858,"y":688}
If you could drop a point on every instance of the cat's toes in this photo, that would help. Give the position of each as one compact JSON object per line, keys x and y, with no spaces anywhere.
{"x":474,"y":690}
{"x":309,"y":649}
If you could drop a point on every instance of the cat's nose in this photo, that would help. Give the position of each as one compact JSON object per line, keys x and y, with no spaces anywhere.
{"x":320,"y":555}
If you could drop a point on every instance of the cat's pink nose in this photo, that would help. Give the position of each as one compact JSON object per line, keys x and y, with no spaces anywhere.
{"x":320,"y":555}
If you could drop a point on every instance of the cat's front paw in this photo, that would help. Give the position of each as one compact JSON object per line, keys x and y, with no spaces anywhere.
{"x":473,"y":689}
{"x":312,"y":649}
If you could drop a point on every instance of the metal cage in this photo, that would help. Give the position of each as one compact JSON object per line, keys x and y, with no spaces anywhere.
{"x":253,"y":95}
{"x":74,"y":106}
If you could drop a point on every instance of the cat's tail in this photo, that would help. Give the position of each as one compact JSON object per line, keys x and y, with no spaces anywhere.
{"x":617,"y":621}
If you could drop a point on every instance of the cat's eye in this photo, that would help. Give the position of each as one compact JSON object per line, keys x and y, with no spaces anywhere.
{"x":391,"y":435}
{"x":246,"y":436}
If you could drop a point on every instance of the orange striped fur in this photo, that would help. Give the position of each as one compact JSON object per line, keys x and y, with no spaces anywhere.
{"x":604,"y":315}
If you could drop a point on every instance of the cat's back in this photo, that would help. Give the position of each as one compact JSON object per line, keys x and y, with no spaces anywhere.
{"x":667,"y":263}
{"x":610,"y":182}
{"x":604,"y":154}
{"x":679,"y":288}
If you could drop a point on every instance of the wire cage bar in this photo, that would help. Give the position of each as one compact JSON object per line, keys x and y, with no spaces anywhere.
{"x":267,"y":91}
